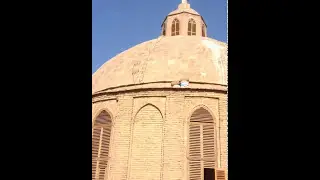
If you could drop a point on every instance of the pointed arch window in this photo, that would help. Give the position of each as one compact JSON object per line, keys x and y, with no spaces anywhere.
{"x":175,"y":27}
{"x":101,"y":131}
{"x":202,"y":154}
{"x":203,"y":30}
{"x":164,"y":27}
{"x":191,"y":27}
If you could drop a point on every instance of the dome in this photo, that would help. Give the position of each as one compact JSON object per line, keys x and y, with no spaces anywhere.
{"x":167,"y":58}
{"x":158,"y":97}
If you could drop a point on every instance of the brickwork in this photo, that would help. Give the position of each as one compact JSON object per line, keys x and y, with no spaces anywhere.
{"x":110,"y":106}
{"x":174,"y":108}
{"x":159,"y":102}
{"x":174,"y":149}
{"x":119,"y":149}
{"x":164,"y":85}
{"x":223,"y":106}
{"x":146,"y":149}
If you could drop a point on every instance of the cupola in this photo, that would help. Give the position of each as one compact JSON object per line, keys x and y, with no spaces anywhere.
{"x":184,"y":21}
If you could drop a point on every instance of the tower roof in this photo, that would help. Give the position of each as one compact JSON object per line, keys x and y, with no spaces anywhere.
{"x":184,"y":6}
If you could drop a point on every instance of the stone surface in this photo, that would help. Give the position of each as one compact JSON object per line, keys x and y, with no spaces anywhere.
{"x":200,"y":59}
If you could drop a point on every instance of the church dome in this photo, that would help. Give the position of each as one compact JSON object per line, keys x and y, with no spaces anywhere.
{"x":155,"y":98}
{"x":182,"y":52}
{"x":167,"y":58}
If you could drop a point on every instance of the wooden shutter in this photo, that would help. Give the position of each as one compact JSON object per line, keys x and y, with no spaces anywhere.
{"x":100,"y":145}
{"x":173,"y":28}
{"x":105,"y":141}
{"x":177,"y":27}
{"x":164,"y":28}
{"x":208,"y":145}
{"x":201,"y":144}
{"x":104,"y":152}
{"x":194,"y":28}
{"x":194,"y":152}
{"x":96,"y":131}
{"x":102,"y":169}
{"x":220,"y":174}
{"x":203,"y":31}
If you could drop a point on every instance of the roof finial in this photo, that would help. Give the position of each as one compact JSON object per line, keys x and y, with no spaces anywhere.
{"x":184,"y":1}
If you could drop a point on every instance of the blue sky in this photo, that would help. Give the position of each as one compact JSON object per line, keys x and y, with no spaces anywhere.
{"x":118,"y":25}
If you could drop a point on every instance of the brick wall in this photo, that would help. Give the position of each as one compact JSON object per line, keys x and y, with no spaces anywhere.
{"x":146,"y":153}
{"x":223,"y":111}
{"x":174,"y":149}
{"x":175,"y":107}
{"x":119,"y":149}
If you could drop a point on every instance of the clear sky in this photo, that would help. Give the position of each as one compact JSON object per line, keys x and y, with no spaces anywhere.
{"x":118,"y":25}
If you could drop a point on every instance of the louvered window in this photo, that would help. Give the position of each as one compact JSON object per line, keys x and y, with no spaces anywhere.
{"x":100,"y":145}
{"x":201,"y":144}
{"x":203,"y":31}
{"x":214,"y":174}
{"x":164,"y":28}
{"x":191,"y":27}
{"x":175,"y":27}
{"x":220,"y":174}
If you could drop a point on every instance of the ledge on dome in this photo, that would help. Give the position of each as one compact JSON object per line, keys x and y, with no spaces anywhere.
{"x":182,"y":83}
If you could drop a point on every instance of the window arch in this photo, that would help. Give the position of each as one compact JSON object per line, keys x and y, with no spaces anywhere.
{"x":191,"y":27}
{"x":203,"y":30}
{"x":101,"y":131}
{"x":164,"y":27}
{"x":201,"y":155}
{"x":175,"y":27}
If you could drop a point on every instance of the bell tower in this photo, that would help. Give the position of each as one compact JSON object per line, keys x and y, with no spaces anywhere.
{"x":184,"y":21}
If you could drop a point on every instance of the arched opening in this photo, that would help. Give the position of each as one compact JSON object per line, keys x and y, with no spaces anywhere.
{"x":203,"y":30}
{"x":147,"y":137}
{"x":191,"y":27}
{"x":101,"y":132}
{"x":164,"y":27}
{"x":201,"y":145}
{"x":175,"y":27}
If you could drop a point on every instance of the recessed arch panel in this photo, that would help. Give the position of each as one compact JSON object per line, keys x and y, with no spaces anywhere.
{"x":148,"y":104}
{"x":146,"y":156}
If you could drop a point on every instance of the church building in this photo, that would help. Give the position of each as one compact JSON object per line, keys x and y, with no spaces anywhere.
{"x":159,"y":109}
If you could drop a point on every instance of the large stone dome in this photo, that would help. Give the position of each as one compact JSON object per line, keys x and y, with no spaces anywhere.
{"x":167,"y":58}
{"x":159,"y":109}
